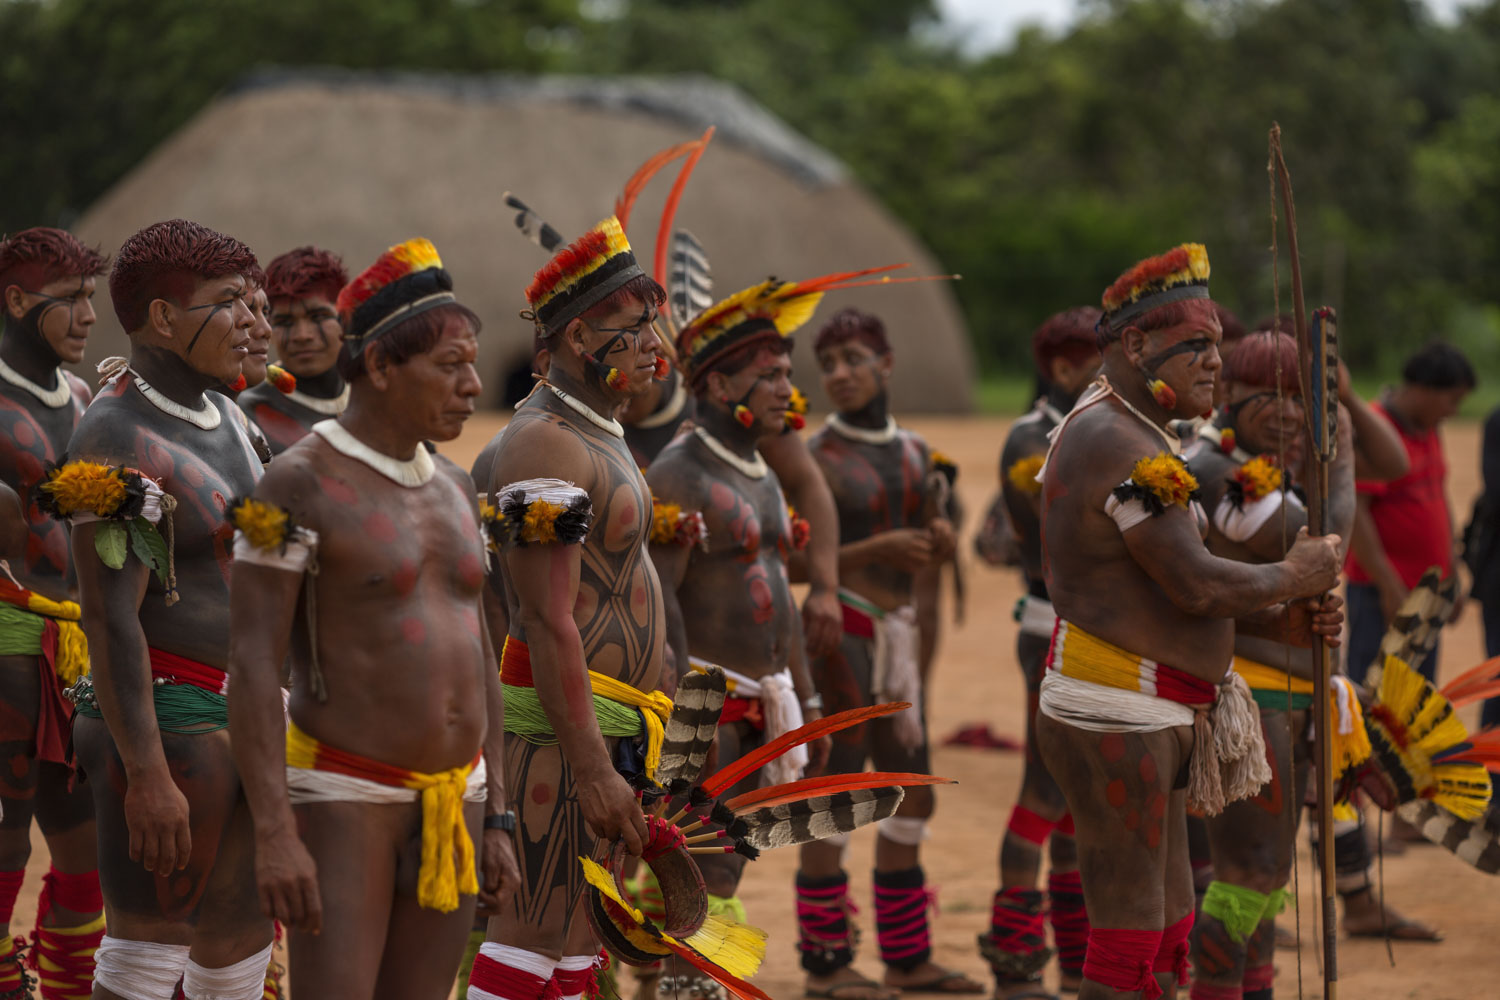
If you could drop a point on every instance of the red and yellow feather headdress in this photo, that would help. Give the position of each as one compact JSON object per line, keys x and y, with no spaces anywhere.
{"x":581,"y":275}
{"x":406,"y":280}
{"x":1177,"y":275}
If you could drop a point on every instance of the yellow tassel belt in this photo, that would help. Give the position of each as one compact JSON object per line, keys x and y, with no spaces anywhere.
{"x":447,"y":850}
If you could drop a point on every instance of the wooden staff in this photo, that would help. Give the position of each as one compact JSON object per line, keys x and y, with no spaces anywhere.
{"x":1318,"y":371}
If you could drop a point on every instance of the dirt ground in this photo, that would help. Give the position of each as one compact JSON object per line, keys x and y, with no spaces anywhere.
{"x":977,"y":681}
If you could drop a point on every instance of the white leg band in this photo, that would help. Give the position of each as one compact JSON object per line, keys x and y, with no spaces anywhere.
{"x":244,"y":980}
{"x":517,"y":958}
{"x":139,"y":970}
{"x":907,"y":830}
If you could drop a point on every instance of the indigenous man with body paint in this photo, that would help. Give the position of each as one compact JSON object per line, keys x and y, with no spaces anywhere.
{"x":723,"y":542}
{"x":667,"y":408}
{"x":1066,"y":350}
{"x":893,"y":541}
{"x":361,"y":554}
{"x":1140,"y":713}
{"x":1255,"y":512}
{"x":585,"y":611}
{"x":47,"y":280}
{"x":152,"y":465}
{"x":303,"y":286}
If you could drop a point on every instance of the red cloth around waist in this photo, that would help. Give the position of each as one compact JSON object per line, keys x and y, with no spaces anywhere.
{"x":515,"y":663}
{"x":746,"y":709}
{"x":181,"y":670}
{"x":857,"y":623}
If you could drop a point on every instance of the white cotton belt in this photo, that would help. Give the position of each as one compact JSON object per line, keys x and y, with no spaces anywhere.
{"x":1038,"y":617}
{"x":139,"y":970}
{"x":1239,"y":524}
{"x":1095,"y":707}
{"x":897,"y":673}
{"x":303,"y":784}
{"x":780,"y":709}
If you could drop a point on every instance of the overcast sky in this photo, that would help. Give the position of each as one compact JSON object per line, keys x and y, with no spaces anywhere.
{"x":993,"y":23}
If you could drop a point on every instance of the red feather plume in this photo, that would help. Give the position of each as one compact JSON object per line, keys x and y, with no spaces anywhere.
{"x":568,"y":260}
{"x":669,"y":211}
{"x":1472,"y":685}
{"x":643,"y":175}
{"x":1148,"y":270}
{"x":734,"y":984}
{"x":759,"y":757}
{"x":806,"y":788}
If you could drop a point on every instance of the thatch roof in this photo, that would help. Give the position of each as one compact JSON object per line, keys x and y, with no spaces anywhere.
{"x":358,"y":161}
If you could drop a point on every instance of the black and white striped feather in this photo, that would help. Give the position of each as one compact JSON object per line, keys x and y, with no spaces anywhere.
{"x":801,"y":822}
{"x":690,"y":280}
{"x":1475,"y":842}
{"x":533,"y":226}
{"x":691,"y":726}
{"x":1414,"y":631}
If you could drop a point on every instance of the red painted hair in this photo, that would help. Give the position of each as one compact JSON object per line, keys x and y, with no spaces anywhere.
{"x":1070,"y":334}
{"x":166,"y":260}
{"x":37,"y":257}
{"x":306,"y":271}
{"x":1254,"y":361}
{"x":851,"y":324}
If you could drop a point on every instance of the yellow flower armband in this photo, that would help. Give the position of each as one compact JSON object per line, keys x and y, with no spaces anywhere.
{"x":1257,"y":478}
{"x":801,"y":529}
{"x":1022,"y":474}
{"x":126,"y":505}
{"x":1155,"y":485}
{"x":671,"y":526}
{"x":266,"y":535}
{"x":545,"y":512}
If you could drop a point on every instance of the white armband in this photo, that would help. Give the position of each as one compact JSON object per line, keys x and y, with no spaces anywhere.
{"x":1240,"y":523}
{"x":1126,"y":513}
{"x":294,"y":555}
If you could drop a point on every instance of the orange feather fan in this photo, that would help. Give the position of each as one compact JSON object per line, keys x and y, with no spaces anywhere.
{"x":796,"y":791}
{"x":756,"y":759}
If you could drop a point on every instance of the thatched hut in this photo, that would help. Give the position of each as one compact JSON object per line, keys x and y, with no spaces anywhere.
{"x":358,"y":161}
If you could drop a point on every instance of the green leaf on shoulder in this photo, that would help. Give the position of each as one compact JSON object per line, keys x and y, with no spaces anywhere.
{"x":109,"y":542}
{"x":149,"y":547}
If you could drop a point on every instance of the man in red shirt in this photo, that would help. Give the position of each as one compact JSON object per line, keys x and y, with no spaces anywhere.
{"x":1406,"y":525}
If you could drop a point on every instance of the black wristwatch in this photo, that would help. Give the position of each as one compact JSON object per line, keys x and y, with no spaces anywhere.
{"x":501,"y":821}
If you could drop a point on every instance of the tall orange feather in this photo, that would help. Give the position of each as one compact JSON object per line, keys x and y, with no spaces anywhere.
{"x":759,"y":757}
{"x":643,"y":175}
{"x":669,"y":211}
{"x":806,"y":788}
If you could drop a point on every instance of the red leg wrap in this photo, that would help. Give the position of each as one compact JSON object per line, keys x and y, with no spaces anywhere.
{"x":1029,"y":826}
{"x":1121,"y":959}
{"x":1070,"y":920}
{"x":12,"y":980}
{"x":1173,"y":954}
{"x":1065,"y":825}
{"x":505,"y":982}
{"x":1016,"y":946}
{"x":63,"y":957}
{"x":1260,"y":977}
{"x":1202,"y":991}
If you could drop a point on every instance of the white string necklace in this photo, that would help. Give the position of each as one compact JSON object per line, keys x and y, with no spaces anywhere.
{"x":415,"y":471}
{"x":330,"y":407}
{"x":864,"y":435}
{"x":606,"y":424}
{"x":56,"y":398}
{"x":749,"y":469}
{"x":1173,"y":441}
{"x":1049,"y":411}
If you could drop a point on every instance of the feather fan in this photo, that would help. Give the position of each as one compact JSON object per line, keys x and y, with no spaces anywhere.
{"x":759,"y":757}
{"x":690,"y":282}
{"x":794,"y":791}
{"x":791,"y":823}
{"x":691,"y":726}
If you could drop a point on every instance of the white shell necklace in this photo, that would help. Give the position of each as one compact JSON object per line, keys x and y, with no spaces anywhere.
{"x":56,"y":398}
{"x":844,"y":429}
{"x":415,"y":471}
{"x":750,"y":470}
{"x":331,"y":407}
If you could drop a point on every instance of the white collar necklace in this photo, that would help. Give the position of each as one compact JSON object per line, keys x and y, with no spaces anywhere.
{"x":415,"y":471}
{"x":864,"y":435}
{"x":206,"y":417}
{"x":55,"y":398}
{"x":607,"y":424}
{"x":330,"y":407}
{"x":749,"y":469}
